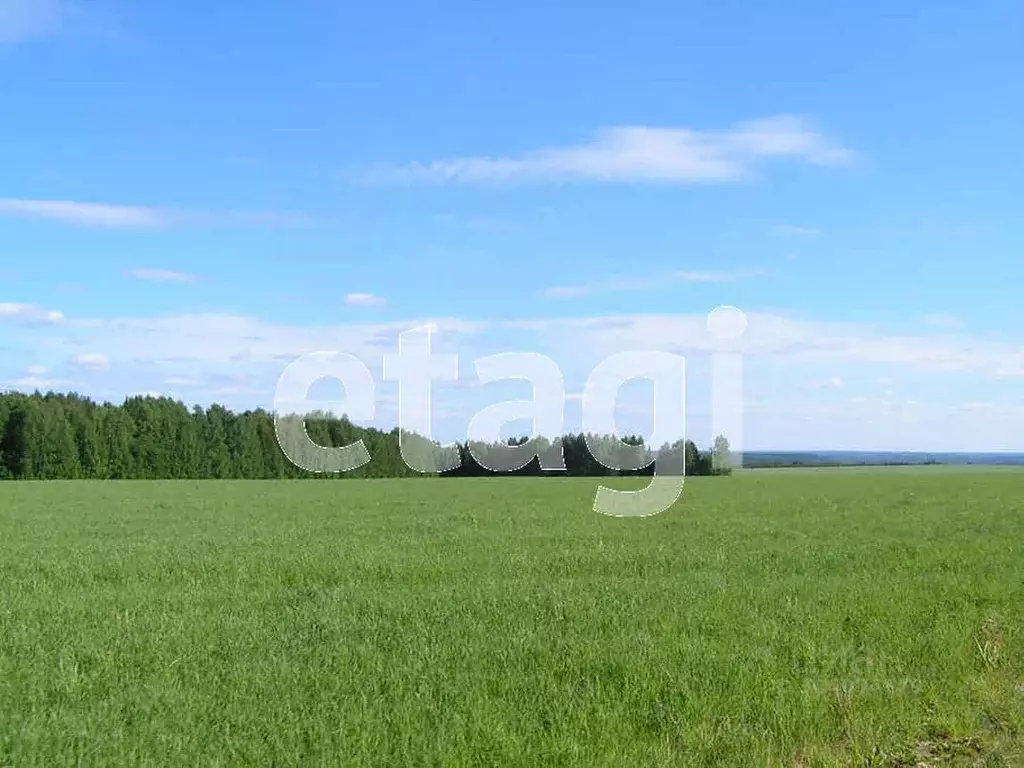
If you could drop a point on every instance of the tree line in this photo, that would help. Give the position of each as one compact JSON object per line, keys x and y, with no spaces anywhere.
{"x":67,"y":436}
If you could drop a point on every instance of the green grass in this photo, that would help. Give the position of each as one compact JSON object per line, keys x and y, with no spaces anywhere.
{"x":769,"y":619}
{"x":915,"y":469}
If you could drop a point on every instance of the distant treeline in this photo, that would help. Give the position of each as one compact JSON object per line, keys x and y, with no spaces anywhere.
{"x":758,"y":459}
{"x":66,"y":436}
{"x":776,"y":461}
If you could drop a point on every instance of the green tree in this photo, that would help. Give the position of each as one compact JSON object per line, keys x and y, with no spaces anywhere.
{"x":721,"y":456}
{"x":65,"y":436}
{"x":58,"y":450}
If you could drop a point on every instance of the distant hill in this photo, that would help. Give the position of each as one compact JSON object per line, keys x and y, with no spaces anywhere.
{"x":752,"y":459}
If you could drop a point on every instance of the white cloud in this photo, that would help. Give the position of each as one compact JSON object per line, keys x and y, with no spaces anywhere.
{"x":29,"y":313}
{"x":9,"y":309}
{"x":363,"y":300}
{"x":778,"y":336}
{"x":162,"y":275}
{"x":628,"y":283}
{"x":25,"y":20}
{"x":223,"y":338}
{"x":237,"y":360}
{"x":644,"y":153}
{"x":32,"y":383}
{"x":113,"y":216}
{"x":91,"y":360}
{"x":887,"y":424}
{"x":37,"y":370}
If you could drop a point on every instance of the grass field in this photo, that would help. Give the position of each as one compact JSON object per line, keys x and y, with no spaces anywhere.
{"x":769,"y":619}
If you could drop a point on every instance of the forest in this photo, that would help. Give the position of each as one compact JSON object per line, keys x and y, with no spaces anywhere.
{"x":67,"y":436}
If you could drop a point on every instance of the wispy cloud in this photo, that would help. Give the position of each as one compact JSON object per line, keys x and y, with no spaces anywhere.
{"x":162,"y":276}
{"x":791,"y":229}
{"x":716,"y":276}
{"x":93,"y":361}
{"x":836,"y":382}
{"x":231,"y":340}
{"x":943,"y":320}
{"x":490,"y":224}
{"x":237,"y":218}
{"x":772,"y":335}
{"x":29,"y":312}
{"x":114,"y":216}
{"x":628,"y":283}
{"x":643,"y":153}
{"x":977,"y":406}
{"x":363,"y":300}
{"x":25,"y":20}
{"x":84,"y":214}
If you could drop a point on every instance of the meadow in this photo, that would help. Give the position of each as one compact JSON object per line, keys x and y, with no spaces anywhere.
{"x":768,"y":619}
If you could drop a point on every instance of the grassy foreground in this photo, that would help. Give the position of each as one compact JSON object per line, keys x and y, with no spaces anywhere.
{"x":766,"y":620}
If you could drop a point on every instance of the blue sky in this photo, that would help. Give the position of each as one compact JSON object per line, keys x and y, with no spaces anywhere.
{"x":192,"y":196}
